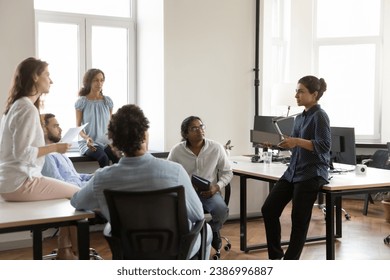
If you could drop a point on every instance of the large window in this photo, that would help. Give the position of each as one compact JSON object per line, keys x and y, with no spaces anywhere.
{"x":338,"y":40}
{"x":114,"y":8}
{"x":348,"y":53}
{"x":75,"y":41}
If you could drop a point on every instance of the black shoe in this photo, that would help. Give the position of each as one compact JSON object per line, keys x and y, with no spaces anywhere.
{"x":217,"y":242}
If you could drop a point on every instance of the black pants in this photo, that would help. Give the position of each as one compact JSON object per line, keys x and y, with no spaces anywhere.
{"x":103,"y":156}
{"x":303,"y":195}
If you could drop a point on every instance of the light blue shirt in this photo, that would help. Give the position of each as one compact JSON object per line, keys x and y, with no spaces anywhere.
{"x":60,"y":167}
{"x":137,"y":174}
{"x":97,"y":114}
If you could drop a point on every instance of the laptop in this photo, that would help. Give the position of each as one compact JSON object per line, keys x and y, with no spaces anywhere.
{"x":265,"y":138}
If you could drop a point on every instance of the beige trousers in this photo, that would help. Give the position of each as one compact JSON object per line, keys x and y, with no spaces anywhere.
{"x":45,"y":188}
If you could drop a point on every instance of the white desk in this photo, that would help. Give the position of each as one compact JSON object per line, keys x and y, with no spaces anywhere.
{"x":40,"y":215}
{"x":376,"y":180}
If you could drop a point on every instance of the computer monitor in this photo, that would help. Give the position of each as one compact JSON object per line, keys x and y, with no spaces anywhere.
{"x":343,"y":145}
{"x":265,"y":125}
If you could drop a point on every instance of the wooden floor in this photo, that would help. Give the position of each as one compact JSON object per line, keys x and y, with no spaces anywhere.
{"x":363,"y":237}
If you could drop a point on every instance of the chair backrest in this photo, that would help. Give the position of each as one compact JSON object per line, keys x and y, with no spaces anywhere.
{"x":380,"y":159}
{"x":149,"y":224}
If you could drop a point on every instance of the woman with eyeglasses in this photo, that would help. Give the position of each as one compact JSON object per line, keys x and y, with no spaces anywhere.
{"x":207,"y":159}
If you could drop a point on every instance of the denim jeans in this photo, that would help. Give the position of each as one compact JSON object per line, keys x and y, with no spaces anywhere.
{"x":218,"y":210}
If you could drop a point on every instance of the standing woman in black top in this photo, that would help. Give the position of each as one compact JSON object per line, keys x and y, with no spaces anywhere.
{"x":310,"y":143}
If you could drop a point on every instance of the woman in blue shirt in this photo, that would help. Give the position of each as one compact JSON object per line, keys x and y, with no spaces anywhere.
{"x":94,"y":108}
{"x":310,"y":143}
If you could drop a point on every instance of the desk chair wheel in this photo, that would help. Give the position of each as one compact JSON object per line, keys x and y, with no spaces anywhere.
{"x":217,"y":255}
{"x":227,"y":248}
{"x":322,"y":207}
{"x":387,"y":240}
{"x":51,"y":256}
{"x":228,"y":245}
{"x":93,"y":255}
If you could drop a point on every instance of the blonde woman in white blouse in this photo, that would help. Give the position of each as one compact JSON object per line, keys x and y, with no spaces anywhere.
{"x":22,"y":147}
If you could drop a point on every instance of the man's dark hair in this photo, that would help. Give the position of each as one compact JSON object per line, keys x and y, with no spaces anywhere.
{"x":185,"y":125}
{"x":127,"y":129}
{"x":46,"y":118}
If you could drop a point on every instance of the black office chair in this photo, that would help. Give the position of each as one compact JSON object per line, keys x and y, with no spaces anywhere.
{"x":152,"y":225}
{"x":386,"y":240}
{"x":228,"y":245}
{"x":380,"y":159}
{"x":322,"y":206}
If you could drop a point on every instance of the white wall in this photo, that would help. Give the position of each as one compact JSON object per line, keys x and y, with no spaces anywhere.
{"x":209,"y":57}
{"x":150,"y":68}
{"x":17,"y":33}
{"x":17,"y":43}
{"x":208,"y":72}
{"x":385,"y":127}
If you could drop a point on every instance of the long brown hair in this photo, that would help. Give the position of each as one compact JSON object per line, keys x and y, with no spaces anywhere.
{"x":87,"y":81}
{"x":23,"y":82}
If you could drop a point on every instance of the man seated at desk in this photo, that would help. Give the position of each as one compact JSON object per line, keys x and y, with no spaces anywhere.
{"x":59,"y":166}
{"x":138,"y":170}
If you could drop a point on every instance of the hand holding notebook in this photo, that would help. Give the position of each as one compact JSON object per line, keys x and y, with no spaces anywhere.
{"x":200,"y":184}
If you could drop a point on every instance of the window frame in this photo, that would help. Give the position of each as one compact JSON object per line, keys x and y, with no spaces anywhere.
{"x":370,"y":40}
{"x":85,"y":23}
{"x":302,"y":58}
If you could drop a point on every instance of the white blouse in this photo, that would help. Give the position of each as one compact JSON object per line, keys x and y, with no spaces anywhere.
{"x":21,"y":135}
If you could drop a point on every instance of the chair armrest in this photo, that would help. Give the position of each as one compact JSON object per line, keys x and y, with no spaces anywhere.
{"x":188,"y":241}
{"x":365,"y":161}
{"x":113,"y":242}
{"x":107,"y":230}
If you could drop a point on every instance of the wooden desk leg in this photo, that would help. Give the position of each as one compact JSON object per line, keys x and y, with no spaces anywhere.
{"x":243,"y":214}
{"x":330,"y":238}
{"x":37,"y":244}
{"x":83,"y":239}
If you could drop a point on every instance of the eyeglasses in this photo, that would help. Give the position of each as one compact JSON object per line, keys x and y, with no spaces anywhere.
{"x":196,"y":128}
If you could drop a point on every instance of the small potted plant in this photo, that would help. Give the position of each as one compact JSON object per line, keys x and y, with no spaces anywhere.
{"x":228,"y":147}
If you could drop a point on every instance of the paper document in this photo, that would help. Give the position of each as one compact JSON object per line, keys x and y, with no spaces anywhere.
{"x":72,"y":133}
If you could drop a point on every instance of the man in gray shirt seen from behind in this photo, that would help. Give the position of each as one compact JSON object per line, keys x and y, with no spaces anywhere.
{"x":138,"y":170}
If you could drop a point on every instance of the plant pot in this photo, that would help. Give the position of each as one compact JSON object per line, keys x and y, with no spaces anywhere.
{"x":386,"y":208}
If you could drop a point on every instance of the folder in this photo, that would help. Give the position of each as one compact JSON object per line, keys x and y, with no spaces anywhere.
{"x":265,"y":138}
{"x":200,"y":184}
